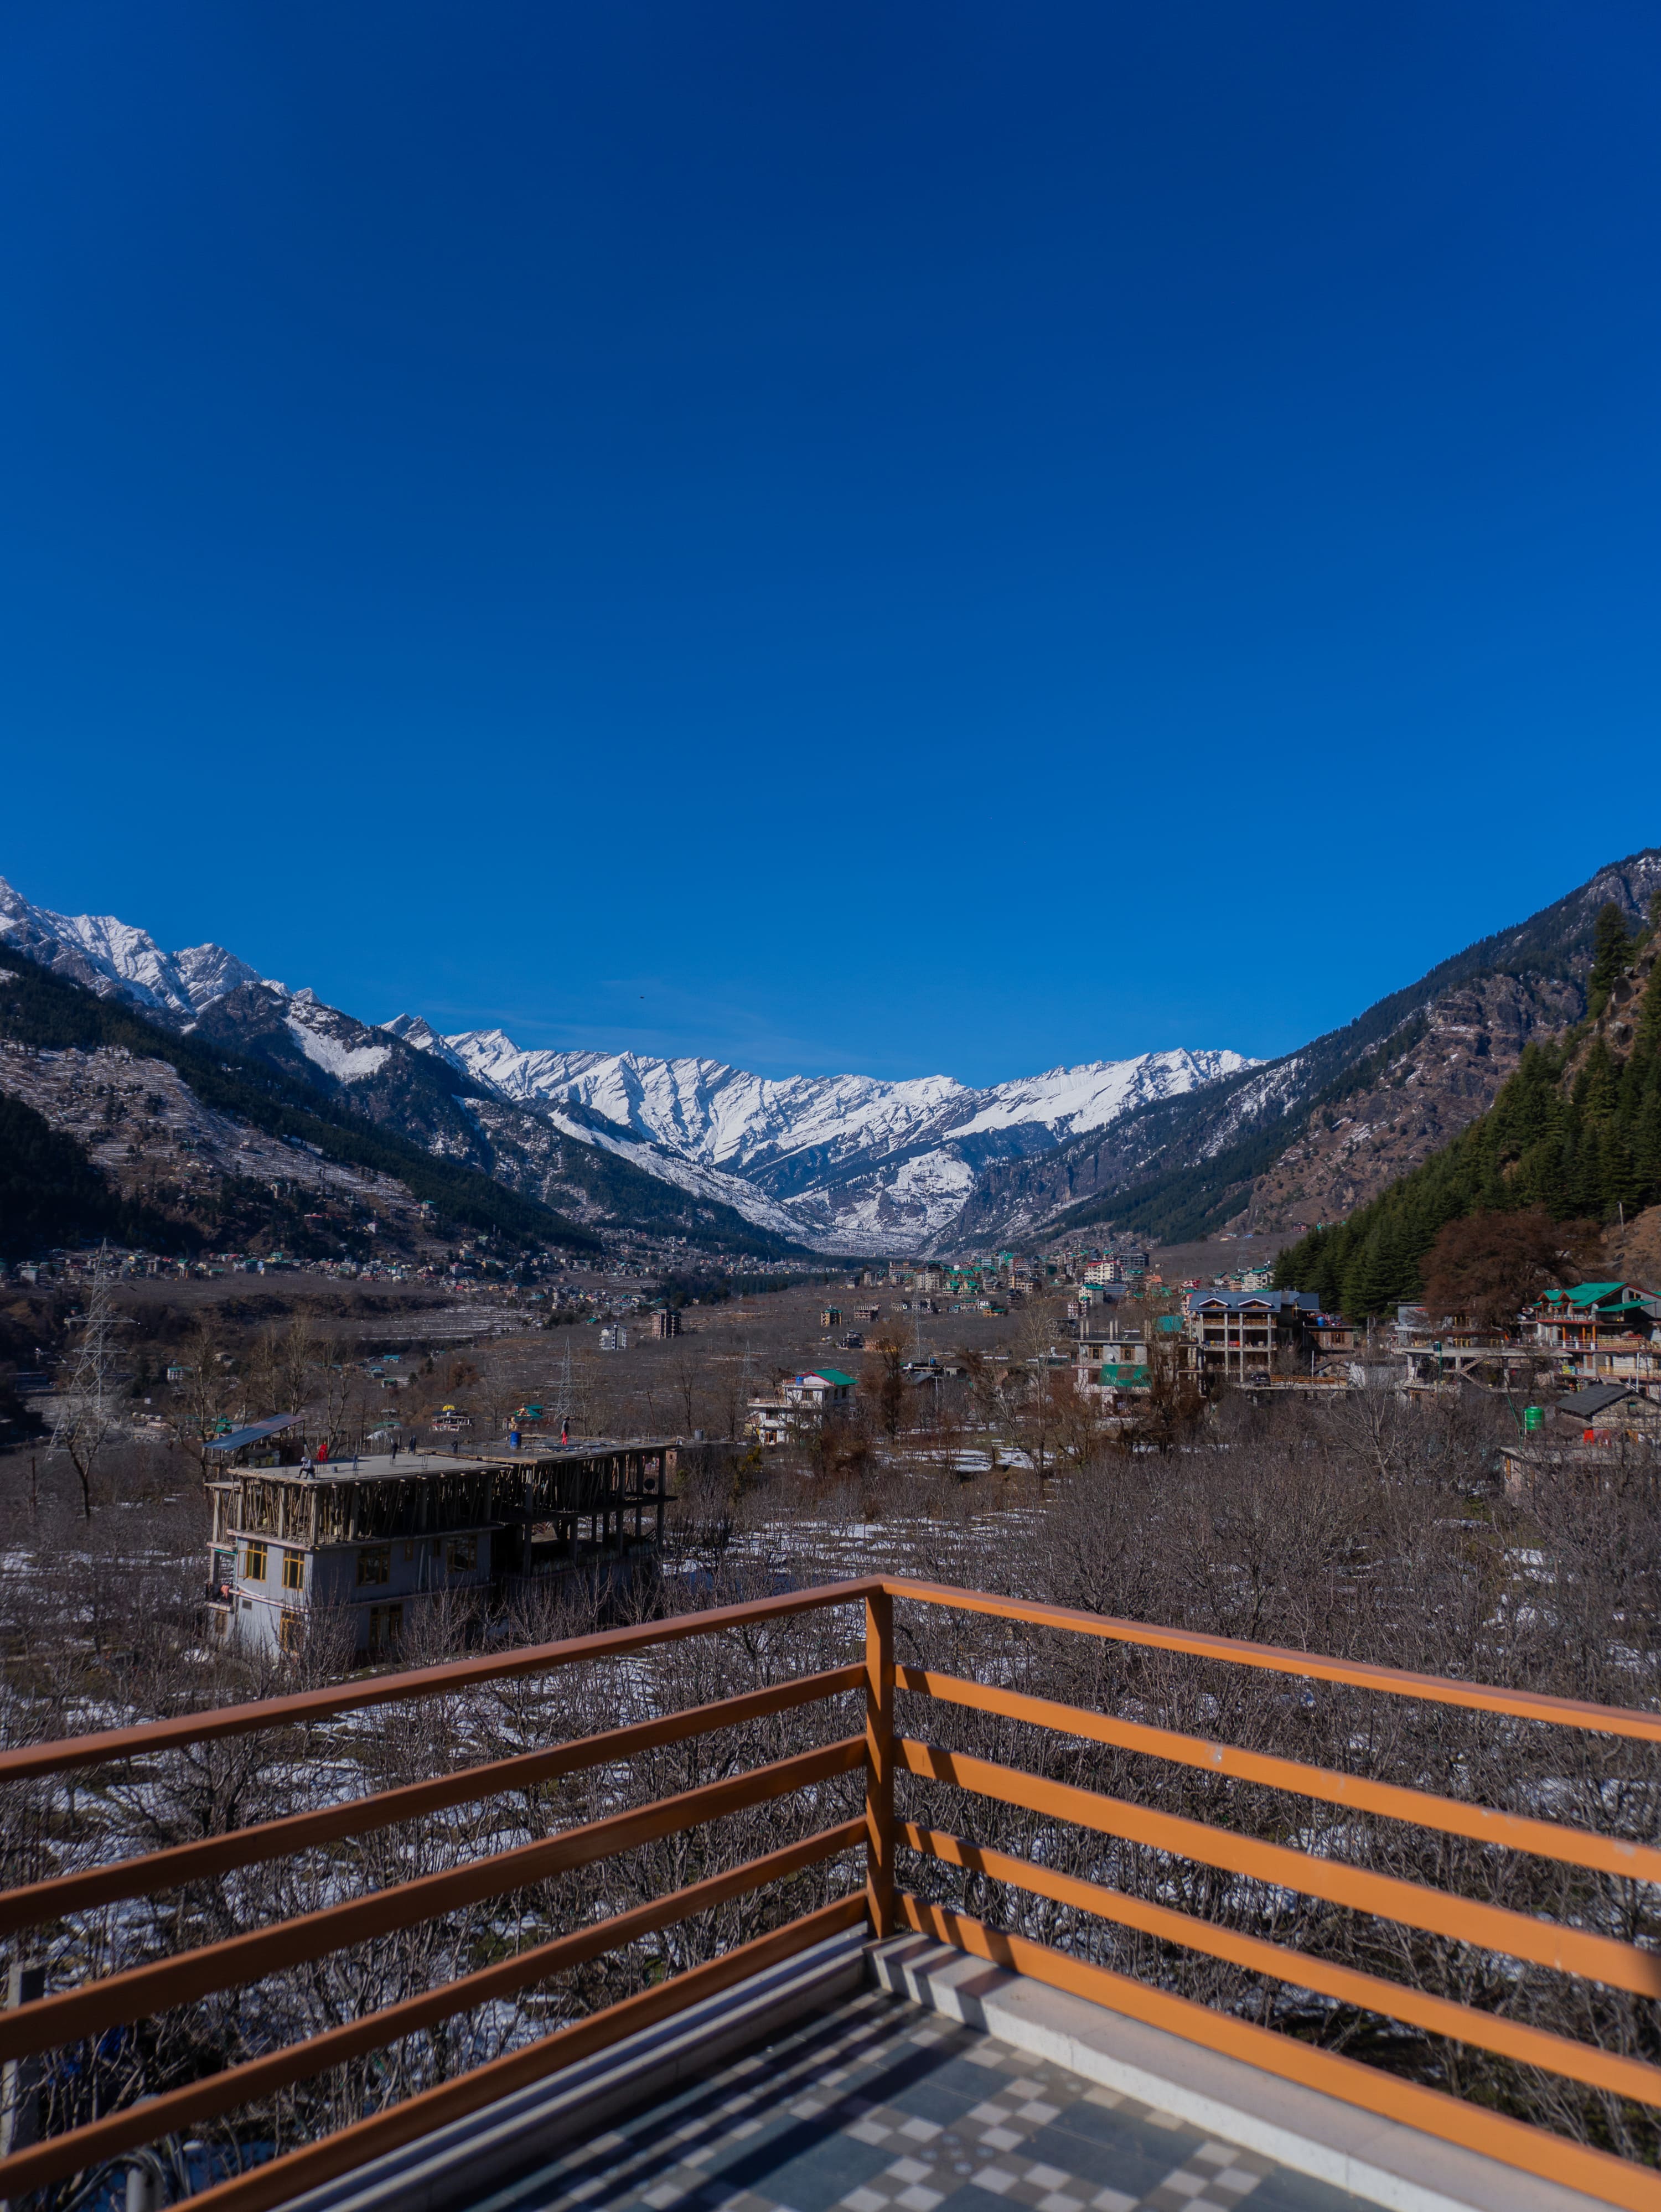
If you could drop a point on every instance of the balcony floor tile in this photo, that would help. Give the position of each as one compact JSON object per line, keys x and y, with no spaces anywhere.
{"x":898,"y":2110}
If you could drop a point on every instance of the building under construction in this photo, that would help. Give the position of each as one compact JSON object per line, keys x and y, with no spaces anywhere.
{"x":374,"y":1541}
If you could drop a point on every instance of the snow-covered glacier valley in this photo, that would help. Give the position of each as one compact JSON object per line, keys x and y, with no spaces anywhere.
{"x":842,"y":1162}
{"x":859,"y":1164}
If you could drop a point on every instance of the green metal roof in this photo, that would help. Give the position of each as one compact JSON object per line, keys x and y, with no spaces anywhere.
{"x":835,"y":1374}
{"x":1587,"y":1294}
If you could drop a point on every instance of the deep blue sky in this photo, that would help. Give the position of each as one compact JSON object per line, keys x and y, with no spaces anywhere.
{"x":830,"y":535}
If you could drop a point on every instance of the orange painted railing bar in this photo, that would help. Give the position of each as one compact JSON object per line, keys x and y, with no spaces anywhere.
{"x":1532,"y":2150}
{"x":1490,"y":1927}
{"x":109,"y":1745}
{"x":162,"y":1870}
{"x":1532,"y":2046}
{"x":1436,"y":1689}
{"x":105,"y":1745}
{"x":137,"y":2125}
{"x":879,"y":1752}
{"x":284,"y":2178}
{"x":119,"y":1998}
{"x":1545,"y":1838}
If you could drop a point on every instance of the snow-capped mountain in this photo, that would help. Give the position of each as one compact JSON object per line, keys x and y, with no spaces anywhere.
{"x":98,"y":951}
{"x":845,"y":1162}
{"x":758,"y":1125}
{"x":859,"y":1164}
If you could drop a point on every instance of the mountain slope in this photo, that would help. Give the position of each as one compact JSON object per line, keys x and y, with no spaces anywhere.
{"x":204,"y":1091}
{"x":1314,"y":1132}
{"x":101,"y":954}
{"x":575,"y":1163}
{"x":692,"y":1147}
{"x":861,"y":1164}
{"x":578,"y":1176}
{"x":1575,"y":1130}
{"x":52,"y":1193}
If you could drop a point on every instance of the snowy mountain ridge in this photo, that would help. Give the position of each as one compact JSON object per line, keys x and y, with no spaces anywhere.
{"x":846,"y":1163}
{"x":99,"y":951}
{"x":858,"y":1160}
{"x":729,"y":1118}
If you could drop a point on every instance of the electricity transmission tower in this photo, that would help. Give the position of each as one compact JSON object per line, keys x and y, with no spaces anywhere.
{"x":87,"y":1418}
{"x":563,"y":1399}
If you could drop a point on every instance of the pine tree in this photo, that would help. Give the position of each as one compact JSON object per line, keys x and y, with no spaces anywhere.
{"x":1646,"y":1148}
{"x":1647,"y":1040}
{"x":1618,"y":1173}
{"x":1597,"y":1087}
{"x":1541,"y":1177}
{"x":1357,"y":1291}
{"x":1611,"y":950}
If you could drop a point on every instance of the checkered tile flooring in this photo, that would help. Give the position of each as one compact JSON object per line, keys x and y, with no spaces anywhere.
{"x":876,"y":2105}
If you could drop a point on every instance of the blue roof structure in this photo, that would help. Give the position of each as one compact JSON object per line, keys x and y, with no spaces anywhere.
{"x":253,"y":1433}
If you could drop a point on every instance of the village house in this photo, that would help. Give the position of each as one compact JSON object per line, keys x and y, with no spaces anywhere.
{"x":1528,"y":1462}
{"x":1602,"y":1410}
{"x":1237,"y":1333}
{"x":372,"y":1542}
{"x":1602,"y":1332}
{"x":1111,"y":1356}
{"x":1332,"y":1333}
{"x":1117,"y":1267}
{"x":800,"y":1407}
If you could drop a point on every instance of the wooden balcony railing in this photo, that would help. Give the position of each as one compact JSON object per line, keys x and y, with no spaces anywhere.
{"x":71,"y":2016}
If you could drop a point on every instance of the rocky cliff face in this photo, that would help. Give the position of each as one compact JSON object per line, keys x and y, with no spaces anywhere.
{"x":1437,"y":1084}
{"x":1310,"y":1136}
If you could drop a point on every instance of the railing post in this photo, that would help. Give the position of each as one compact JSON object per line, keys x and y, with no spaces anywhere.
{"x":879,"y":1762}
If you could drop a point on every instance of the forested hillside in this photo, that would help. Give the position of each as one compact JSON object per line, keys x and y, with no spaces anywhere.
{"x":1326,"y":1126}
{"x":1576,"y":1130}
{"x":45,"y":1011}
{"x":50,"y":1193}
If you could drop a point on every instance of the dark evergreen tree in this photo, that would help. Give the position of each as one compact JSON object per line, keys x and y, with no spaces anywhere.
{"x":1611,"y":950}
